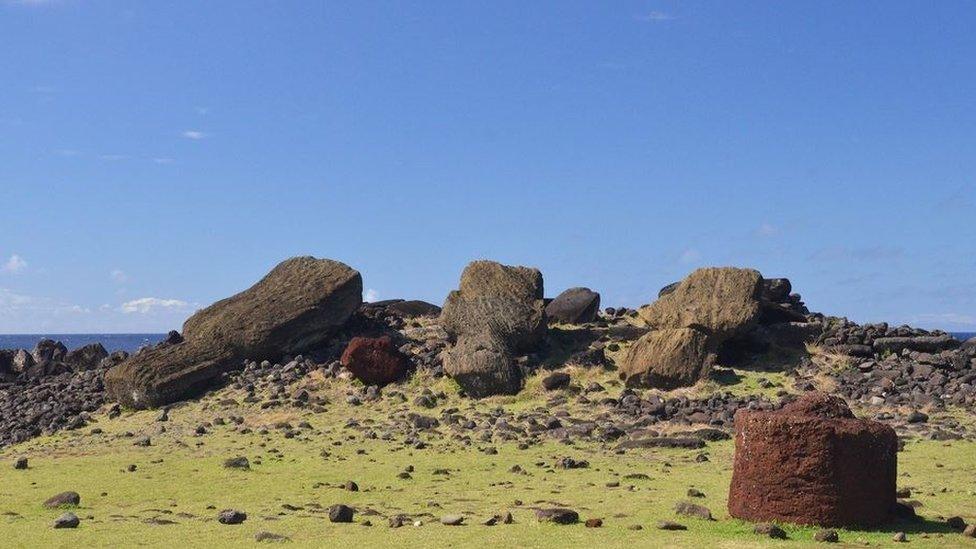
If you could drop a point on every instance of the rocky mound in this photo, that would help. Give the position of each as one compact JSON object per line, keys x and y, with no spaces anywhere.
{"x":812,"y":462}
{"x":497,"y":312}
{"x":880,"y":340}
{"x":32,"y":405}
{"x":691,"y":320}
{"x":299,"y":304}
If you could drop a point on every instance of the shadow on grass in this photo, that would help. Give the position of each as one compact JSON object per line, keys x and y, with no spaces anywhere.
{"x":725,"y":376}
{"x":568,"y":345}
{"x":918,"y":525}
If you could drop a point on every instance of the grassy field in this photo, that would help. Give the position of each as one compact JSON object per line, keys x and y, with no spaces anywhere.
{"x":180,"y":484}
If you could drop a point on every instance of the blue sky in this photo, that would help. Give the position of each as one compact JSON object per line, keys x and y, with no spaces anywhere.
{"x":157,"y":156}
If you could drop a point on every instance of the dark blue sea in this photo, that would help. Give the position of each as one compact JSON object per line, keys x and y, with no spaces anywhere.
{"x":963,"y":336}
{"x":111,"y":342}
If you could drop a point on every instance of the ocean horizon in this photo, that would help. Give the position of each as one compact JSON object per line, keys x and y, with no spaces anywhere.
{"x":132,"y":342}
{"x":112,"y":342}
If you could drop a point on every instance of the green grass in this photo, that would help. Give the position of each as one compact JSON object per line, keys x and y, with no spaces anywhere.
{"x":181,"y":476}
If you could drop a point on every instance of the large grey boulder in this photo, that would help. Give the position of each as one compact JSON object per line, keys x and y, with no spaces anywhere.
{"x":498,"y":299}
{"x":668,"y":359}
{"x":48,"y":350}
{"x":22,"y":361}
{"x":483,"y":365}
{"x":574,"y":306}
{"x":300,"y":304}
{"x":722,"y":301}
{"x":497,"y":312}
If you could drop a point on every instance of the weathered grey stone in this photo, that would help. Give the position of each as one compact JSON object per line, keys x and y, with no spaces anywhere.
{"x":722,"y":302}
{"x":299,"y":304}
{"x":483,"y":366}
{"x":497,"y":312}
{"x":667,"y":359}
{"x":504,"y":301}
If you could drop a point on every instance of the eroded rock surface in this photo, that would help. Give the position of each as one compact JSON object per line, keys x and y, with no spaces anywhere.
{"x":497,"y":312}
{"x":813,"y":462}
{"x":299,"y":304}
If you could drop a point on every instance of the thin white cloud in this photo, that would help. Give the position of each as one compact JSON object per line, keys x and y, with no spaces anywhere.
{"x":118,"y":275}
{"x":656,"y":17}
{"x":14,"y":265}
{"x":371,"y":296}
{"x":151,"y":304}
{"x":12,"y":301}
{"x":767,"y":230}
{"x":946,"y":320}
{"x":18,"y":306}
{"x":112,"y":157}
{"x":195,"y":135}
{"x":30,"y":2}
{"x":860,"y":254}
{"x":163,"y":160}
{"x":690,"y":255}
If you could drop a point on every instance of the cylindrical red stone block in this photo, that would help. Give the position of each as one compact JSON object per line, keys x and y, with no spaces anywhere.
{"x":813,"y":463}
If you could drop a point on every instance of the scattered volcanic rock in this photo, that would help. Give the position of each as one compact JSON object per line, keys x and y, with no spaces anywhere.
{"x":231,"y":516}
{"x":452,"y":520}
{"x":574,"y":306}
{"x":67,"y":520}
{"x":374,"y":360}
{"x":239,"y":462}
{"x":341,"y":513}
{"x":769,"y":530}
{"x":826,"y":536}
{"x":299,"y":304}
{"x":812,"y":462}
{"x":667,"y":359}
{"x":557,"y":515}
{"x":63,"y":499}
{"x":35,"y":405}
{"x":689,"y":509}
